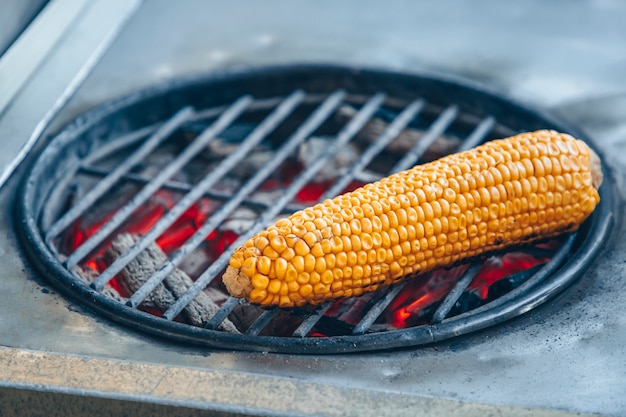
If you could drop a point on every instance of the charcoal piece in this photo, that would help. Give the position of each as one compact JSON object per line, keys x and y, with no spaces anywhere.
{"x":195,"y":263}
{"x":467,"y":302}
{"x":330,"y":326}
{"x":89,"y":275}
{"x":199,"y":310}
{"x":217,"y":296}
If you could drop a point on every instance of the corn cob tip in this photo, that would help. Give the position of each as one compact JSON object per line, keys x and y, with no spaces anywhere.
{"x":237,"y":284}
{"x":595,"y":167}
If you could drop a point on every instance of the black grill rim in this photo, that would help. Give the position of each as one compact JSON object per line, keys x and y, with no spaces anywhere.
{"x":228,"y":86}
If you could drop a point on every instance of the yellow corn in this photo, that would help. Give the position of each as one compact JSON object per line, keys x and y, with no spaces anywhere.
{"x":507,"y":192}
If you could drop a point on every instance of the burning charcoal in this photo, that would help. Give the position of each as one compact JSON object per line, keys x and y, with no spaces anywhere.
{"x":311,"y":150}
{"x":419,"y":298}
{"x":497,"y":268}
{"x":89,"y":275}
{"x":114,"y":199}
{"x":352,"y":310}
{"x":198,"y":312}
{"x":468,"y":301}
{"x":443,"y":145}
{"x":510,"y":282}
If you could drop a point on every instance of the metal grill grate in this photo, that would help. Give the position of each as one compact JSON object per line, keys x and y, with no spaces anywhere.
{"x":302,"y":109}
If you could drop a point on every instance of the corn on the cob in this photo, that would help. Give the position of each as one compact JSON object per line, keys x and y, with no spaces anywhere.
{"x":507,"y":192}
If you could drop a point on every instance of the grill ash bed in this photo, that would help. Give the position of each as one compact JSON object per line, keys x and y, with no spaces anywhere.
{"x":135,"y":208}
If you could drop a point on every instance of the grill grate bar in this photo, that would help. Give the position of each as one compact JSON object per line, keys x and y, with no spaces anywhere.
{"x":122,"y":142}
{"x":304,"y":131}
{"x":548,"y":268}
{"x":146,"y":192}
{"x":478,"y":134}
{"x":373,"y":313}
{"x":48,"y":216}
{"x":137,"y":135}
{"x":456,"y":292}
{"x":390,"y":133}
{"x":453,"y":296}
{"x":195,"y":193}
{"x":308,"y":323}
{"x":227,"y":308}
{"x":538,"y":252}
{"x":105,"y":184}
{"x":262,"y":321}
{"x":300,"y":181}
{"x":262,"y":130}
{"x":520,"y":277}
{"x":185,"y":187}
{"x":435,"y":130}
{"x":258,"y":104}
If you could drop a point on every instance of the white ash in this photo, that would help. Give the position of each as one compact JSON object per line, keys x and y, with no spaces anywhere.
{"x":221,"y":148}
{"x":240,"y":221}
{"x":367,"y":176}
{"x":311,"y":150}
{"x":268,"y":197}
{"x":258,"y":157}
{"x":227,"y":185}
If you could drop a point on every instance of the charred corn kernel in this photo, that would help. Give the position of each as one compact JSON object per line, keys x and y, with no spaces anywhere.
{"x":506,"y":192}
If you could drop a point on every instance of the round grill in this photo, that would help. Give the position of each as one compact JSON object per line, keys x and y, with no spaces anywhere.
{"x":135,"y":207}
